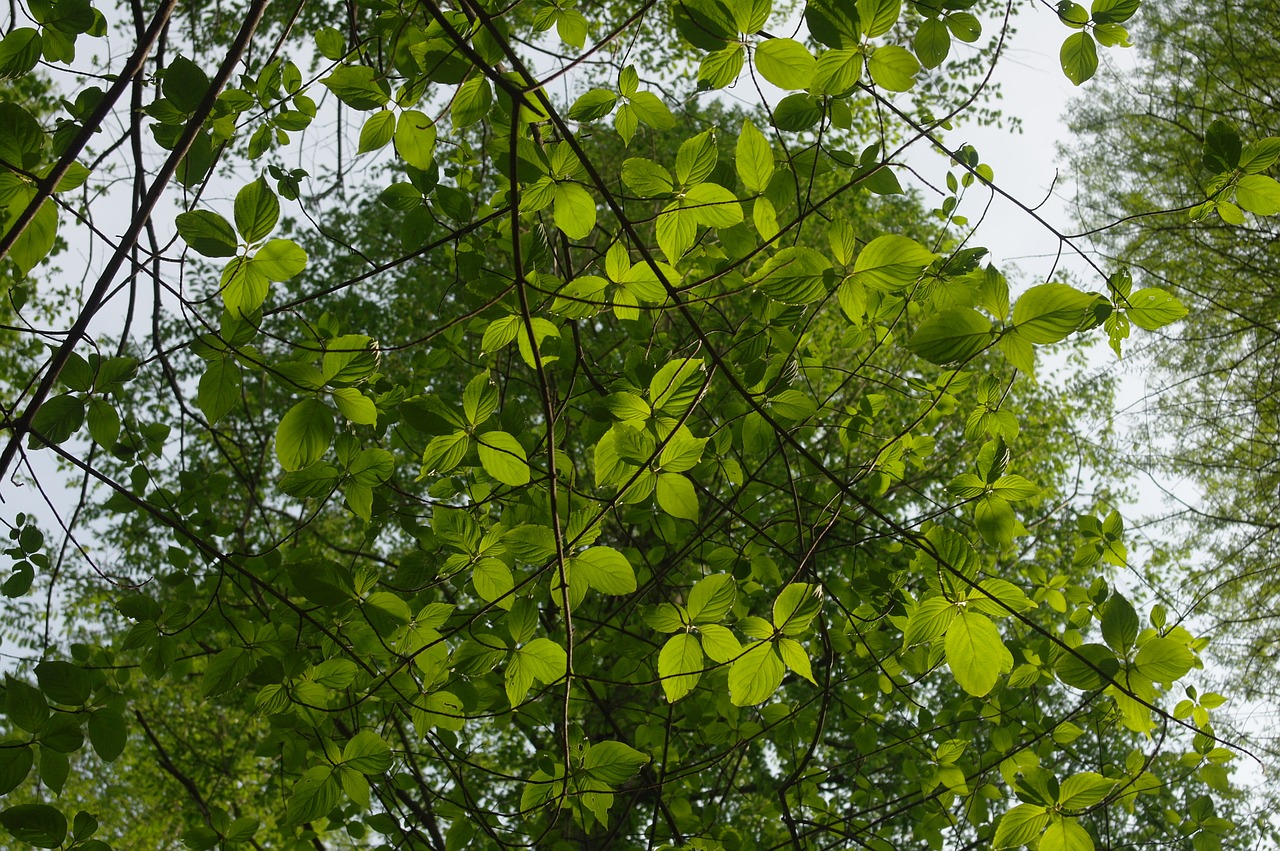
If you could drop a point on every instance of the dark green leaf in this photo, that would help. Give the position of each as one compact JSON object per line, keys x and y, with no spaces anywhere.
{"x":107,"y":733}
{"x":952,"y":336}
{"x":207,"y":233}
{"x":257,"y":210}
{"x":185,"y":84}
{"x":63,"y":682}
{"x":36,"y":824}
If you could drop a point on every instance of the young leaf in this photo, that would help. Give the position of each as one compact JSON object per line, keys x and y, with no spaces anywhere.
{"x":975,"y":653}
{"x":712,"y":598}
{"x":257,"y":210}
{"x":304,"y":434}
{"x":893,"y":68}
{"x":1079,"y":57}
{"x":786,"y":63}
{"x":504,"y":458}
{"x":680,"y":665}
{"x":415,"y":138}
{"x":677,"y":497}
{"x":756,"y":675}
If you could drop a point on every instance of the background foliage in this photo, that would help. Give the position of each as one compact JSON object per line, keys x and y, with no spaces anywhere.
{"x":512,"y":442}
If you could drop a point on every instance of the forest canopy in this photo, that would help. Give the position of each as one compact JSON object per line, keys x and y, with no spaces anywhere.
{"x":573,"y":425}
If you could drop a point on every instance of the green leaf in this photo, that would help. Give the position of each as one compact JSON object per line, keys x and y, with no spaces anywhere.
{"x":928,"y":620}
{"x":799,"y":112}
{"x":756,"y":675}
{"x":541,"y":659}
{"x":711,"y":598}
{"x":472,"y":102}
{"x":932,"y":42}
{"x":1113,"y":11}
{"x":33,"y":246}
{"x":572,"y":27}
{"x":651,"y":110}
{"x":303,"y":435}
{"x":612,"y":763}
{"x":1048,"y":313}
{"x":575,"y":210}
{"x":593,"y":105}
{"x":367,"y":753}
{"x":1260,"y":155}
{"x":104,"y":422}
{"x":795,"y":608}
{"x":279,"y":260}
{"x":503,"y":457}
{"x":1084,"y":790}
{"x":878,"y":16}
{"x":721,"y":68}
{"x":330,"y":43}
{"x":64,"y":683}
{"x":1222,"y":148}
{"x":357,"y":87}
{"x":786,"y":63}
{"x":1014,"y":488}
{"x":415,"y":138}
{"x":1079,"y":57}
{"x":646,"y":178}
{"x":794,"y":657}
{"x":677,"y":497}
{"x":1164,"y":660}
{"x":185,"y":84}
{"x":314,"y":796}
{"x":19,"y":52}
{"x":975,"y":653}
{"x":257,"y":210}
{"x":225,"y":670}
{"x":1087,"y":667}
{"x":1022,"y":825}
{"x":952,"y":336}
{"x":995,"y":520}
{"x":377,"y":131}
{"x":793,"y":275}
{"x":706,"y":24}
{"x":35,"y":824}
{"x":675,"y":387}
{"x":1154,"y":308}
{"x":696,"y":159}
{"x":606,"y":570}
{"x":712,"y":205}
{"x":58,"y":418}
{"x":207,"y":233}
{"x":1259,"y":194}
{"x":837,"y":73}
{"x":1120,"y":623}
{"x":244,"y":287}
{"x":355,"y":406}
{"x":834,"y":23}
{"x":893,"y":68}
{"x":1066,"y":835}
{"x":680,"y":665}
{"x":15,"y":764}
{"x":107,"y":733}
{"x":891,"y":263}
{"x":964,"y":26}
{"x":719,"y":643}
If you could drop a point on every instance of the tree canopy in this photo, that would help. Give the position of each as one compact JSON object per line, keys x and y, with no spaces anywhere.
{"x":554,"y":425}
